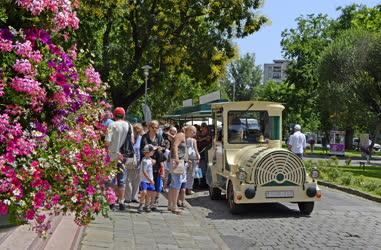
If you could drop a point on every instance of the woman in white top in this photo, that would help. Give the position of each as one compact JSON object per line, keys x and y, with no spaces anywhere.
{"x":133,"y":175}
{"x":193,"y":156}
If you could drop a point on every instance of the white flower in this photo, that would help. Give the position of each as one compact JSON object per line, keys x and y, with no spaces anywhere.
{"x":7,"y":202}
{"x":74,"y":199}
{"x":16,"y":192}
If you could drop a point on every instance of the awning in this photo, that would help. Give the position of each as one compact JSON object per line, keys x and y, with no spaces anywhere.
{"x":192,"y":112}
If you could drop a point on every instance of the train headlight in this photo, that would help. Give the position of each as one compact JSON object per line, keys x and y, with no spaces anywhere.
{"x":315,"y":173}
{"x":241,"y":174}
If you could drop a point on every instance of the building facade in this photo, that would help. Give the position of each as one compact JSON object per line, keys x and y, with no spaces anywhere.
{"x":275,"y":71}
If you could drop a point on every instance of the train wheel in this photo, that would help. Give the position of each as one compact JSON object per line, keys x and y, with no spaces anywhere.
{"x":214,"y":193}
{"x":233,"y":207}
{"x":306,"y":208}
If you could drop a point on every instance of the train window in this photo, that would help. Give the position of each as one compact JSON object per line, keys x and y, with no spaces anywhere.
{"x":249,"y":127}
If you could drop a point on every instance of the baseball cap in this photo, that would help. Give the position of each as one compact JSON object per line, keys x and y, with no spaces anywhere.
{"x":119,"y":111}
{"x":297,"y":127}
{"x":148,"y":148}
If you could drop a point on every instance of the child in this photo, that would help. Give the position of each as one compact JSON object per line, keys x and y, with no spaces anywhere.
{"x":147,"y":186}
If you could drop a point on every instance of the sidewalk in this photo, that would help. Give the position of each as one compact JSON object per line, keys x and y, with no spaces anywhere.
{"x":155,"y":230}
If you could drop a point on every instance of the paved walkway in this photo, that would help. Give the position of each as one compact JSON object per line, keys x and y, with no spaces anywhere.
{"x":155,"y":230}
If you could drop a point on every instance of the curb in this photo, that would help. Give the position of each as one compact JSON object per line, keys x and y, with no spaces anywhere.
{"x":212,"y":232}
{"x":350,"y":191}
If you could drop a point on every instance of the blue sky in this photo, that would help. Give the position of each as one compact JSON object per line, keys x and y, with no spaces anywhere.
{"x":282,"y":13}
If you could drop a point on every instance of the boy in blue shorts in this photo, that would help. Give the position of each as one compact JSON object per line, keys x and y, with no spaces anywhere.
{"x":147,"y":185}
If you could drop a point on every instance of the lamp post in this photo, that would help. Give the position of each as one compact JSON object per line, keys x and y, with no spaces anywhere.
{"x":146,"y":109}
{"x":146,"y":69}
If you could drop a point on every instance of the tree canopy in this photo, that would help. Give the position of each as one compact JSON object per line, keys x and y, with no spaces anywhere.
{"x":181,"y":40}
{"x":242,"y":77}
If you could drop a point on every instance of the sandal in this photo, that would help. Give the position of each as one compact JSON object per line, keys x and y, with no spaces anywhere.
{"x":176,"y":211}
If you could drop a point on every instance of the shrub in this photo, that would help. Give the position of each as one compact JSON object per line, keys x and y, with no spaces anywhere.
{"x":346,"y":178}
{"x":333,"y":174}
{"x":371,"y":185}
{"x":358,"y":181}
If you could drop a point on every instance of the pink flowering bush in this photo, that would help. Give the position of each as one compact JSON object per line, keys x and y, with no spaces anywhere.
{"x":52,"y":155}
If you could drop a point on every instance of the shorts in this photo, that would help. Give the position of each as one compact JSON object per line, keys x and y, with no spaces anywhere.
{"x":158,"y":183}
{"x":146,"y":186}
{"x":120,"y":178}
{"x":176,"y":182}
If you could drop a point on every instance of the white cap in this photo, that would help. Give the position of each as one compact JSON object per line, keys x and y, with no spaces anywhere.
{"x":297,"y":127}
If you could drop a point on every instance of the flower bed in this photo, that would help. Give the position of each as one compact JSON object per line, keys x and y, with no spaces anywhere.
{"x":52,"y":156}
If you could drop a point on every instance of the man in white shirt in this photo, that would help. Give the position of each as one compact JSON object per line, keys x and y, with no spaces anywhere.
{"x":116,"y":136}
{"x":297,"y":142}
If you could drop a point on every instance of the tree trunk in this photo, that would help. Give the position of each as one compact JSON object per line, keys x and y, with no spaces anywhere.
{"x":349,"y":138}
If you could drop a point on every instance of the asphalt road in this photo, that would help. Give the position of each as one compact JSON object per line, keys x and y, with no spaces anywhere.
{"x":339,"y":221}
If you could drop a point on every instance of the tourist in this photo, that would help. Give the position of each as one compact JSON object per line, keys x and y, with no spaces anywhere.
{"x":116,"y":136}
{"x":297,"y":141}
{"x":133,"y":174}
{"x":153,"y":138}
{"x":147,"y":185}
{"x":178,"y":171}
{"x":193,"y":157}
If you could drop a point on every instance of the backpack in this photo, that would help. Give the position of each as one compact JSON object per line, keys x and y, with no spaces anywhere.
{"x":127,"y":150}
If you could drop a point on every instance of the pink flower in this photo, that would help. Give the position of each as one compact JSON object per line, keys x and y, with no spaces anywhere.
{"x":39,"y":199}
{"x":29,"y":215}
{"x":23,"y":49}
{"x":56,"y":198}
{"x":93,"y":76}
{"x":110,"y":196}
{"x":5,"y":45}
{"x":41,"y":218}
{"x":23,"y":66}
{"x":26,"y":85}
{"x":91,"y":190}
{"x":3,"y":208}
{"x":2,"y":86}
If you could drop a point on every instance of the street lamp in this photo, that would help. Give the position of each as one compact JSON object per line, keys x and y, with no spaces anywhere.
{"x":146,"y":109}
{"x":146,"y":69}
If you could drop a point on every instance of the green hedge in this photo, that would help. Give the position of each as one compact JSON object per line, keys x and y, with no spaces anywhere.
{"x":349,"y":176}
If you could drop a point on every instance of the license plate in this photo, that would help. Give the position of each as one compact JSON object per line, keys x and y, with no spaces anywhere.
{"x":279,"y":194}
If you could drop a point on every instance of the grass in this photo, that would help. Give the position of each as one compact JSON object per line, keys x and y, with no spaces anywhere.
{"x":370,"y":171}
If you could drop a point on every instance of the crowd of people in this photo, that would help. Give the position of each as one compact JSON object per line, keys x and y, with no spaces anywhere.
{"x":153,"y":158}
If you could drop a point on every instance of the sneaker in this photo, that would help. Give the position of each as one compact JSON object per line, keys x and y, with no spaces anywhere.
{"x":135,"y":201}
{"x":127,"y":201}
{"x":140,"y":209}
{"x":154,"y":209}
{"x":147,"y":209}
{"x":122,"y":207}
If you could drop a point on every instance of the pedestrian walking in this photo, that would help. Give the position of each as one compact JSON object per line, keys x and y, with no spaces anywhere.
{"x":297,"y":141}
{"x":147,"y":185}
{"x":115,"y":138}
{"x":133,"y":173}
{"x":193,"y":156}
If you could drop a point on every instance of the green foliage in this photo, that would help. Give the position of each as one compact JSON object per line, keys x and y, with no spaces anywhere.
{"x":346,"y":179}
{"x":242,"y":77}
{"x":329,"y":104}
{"x":181,"y":40}
{"x":355,"y":55}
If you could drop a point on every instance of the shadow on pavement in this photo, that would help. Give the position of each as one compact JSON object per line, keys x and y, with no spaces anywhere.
{"x":219,"y":209}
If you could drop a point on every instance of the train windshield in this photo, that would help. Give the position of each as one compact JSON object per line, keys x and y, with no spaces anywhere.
{"x":252,"y":127}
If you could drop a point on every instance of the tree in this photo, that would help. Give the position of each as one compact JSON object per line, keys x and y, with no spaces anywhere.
{"x":303,"y":46}
{"x":352,"y":63}
{"x":175,"y":37}
{"x":242,"y":77}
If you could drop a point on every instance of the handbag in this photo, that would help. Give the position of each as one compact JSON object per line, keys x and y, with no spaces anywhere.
{"x":180,"y":169}
{"x":191,"y":152}
{"x":198,"y":173}
{"x":127,"y":150}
